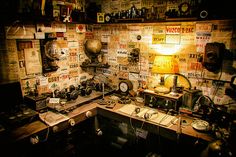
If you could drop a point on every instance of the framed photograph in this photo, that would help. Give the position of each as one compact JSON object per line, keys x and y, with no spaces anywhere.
{"x":100,"y":17}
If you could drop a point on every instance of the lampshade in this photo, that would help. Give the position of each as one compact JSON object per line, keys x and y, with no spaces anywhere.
{"x":165,"y":65}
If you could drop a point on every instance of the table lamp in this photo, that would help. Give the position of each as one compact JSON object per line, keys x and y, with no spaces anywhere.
{"x":166,"y":64}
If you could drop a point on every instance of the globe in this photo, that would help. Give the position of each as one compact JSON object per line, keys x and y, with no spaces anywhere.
{"x":93,"y":46}
{"x":52,"y":50}
{"x":92,"y":49}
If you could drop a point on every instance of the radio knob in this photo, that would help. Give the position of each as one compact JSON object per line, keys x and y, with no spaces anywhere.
{"x":99,"y":132}
{"x":55,"y":129}
{"x":71,"y":122}
{"x":34,"y":139}
{"x":88,"y":114}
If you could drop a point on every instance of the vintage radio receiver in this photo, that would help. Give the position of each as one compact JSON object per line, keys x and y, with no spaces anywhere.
{"x":162,"y":101}
{"x":37,"y":103}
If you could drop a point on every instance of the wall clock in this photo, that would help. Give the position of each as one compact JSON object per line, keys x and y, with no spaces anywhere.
{"x":125,"y":86}
{"x":107,"y":18}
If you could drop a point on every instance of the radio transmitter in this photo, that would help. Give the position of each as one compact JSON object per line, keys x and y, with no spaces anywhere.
{"x":162,"y":101}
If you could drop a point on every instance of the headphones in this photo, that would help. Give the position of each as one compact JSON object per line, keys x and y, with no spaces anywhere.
{"x":147,"y":115}
{"x":136,"y":110}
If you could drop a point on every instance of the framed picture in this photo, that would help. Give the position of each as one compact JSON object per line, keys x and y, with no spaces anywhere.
{"x":100,"y":17}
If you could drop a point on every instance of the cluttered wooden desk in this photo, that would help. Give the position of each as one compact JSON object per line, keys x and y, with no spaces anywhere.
{"x":159,"y":122}
{"x":168,"y":124}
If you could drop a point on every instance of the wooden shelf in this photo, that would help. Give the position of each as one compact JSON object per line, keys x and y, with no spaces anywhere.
{"x":182,"y":19}
{"x":130,"y":20}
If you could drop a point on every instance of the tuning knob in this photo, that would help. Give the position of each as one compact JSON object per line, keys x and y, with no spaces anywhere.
{"x":88,"y":114}
{"x":71,"y":122}
{"x":55,"y":129}
{"x":99,"y":132}
{"x":34,"y":139}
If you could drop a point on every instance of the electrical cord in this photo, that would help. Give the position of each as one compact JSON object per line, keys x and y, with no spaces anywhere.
{"x":46,"y":136}
{"x":130,"y":119}
{"x":158,"y":127}
{"x":202,"y":76}
{"x":135,"y":129}
{"x":131,"y":124}
{"x":217,"y":85}
{"x":136,"y":111}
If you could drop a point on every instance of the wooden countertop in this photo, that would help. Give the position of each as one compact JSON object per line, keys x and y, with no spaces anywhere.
{"x":186,"y":128}
{"x":92,"y":109}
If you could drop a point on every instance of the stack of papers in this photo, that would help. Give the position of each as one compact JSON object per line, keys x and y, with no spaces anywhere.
{"x":52,"y":118}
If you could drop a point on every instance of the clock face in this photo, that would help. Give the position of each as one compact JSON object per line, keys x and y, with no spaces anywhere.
{"x":124,"y":87}
{"x":107,"y":18}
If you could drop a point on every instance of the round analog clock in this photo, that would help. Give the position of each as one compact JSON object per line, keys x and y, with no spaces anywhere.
{"x":107,"y":18}
{"x":125,"y":86}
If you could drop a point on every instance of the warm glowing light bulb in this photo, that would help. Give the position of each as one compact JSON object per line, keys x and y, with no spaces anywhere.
{"x":167,"y":49}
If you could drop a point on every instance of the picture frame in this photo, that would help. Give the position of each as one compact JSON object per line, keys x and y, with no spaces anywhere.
{"x":100,"y":17}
